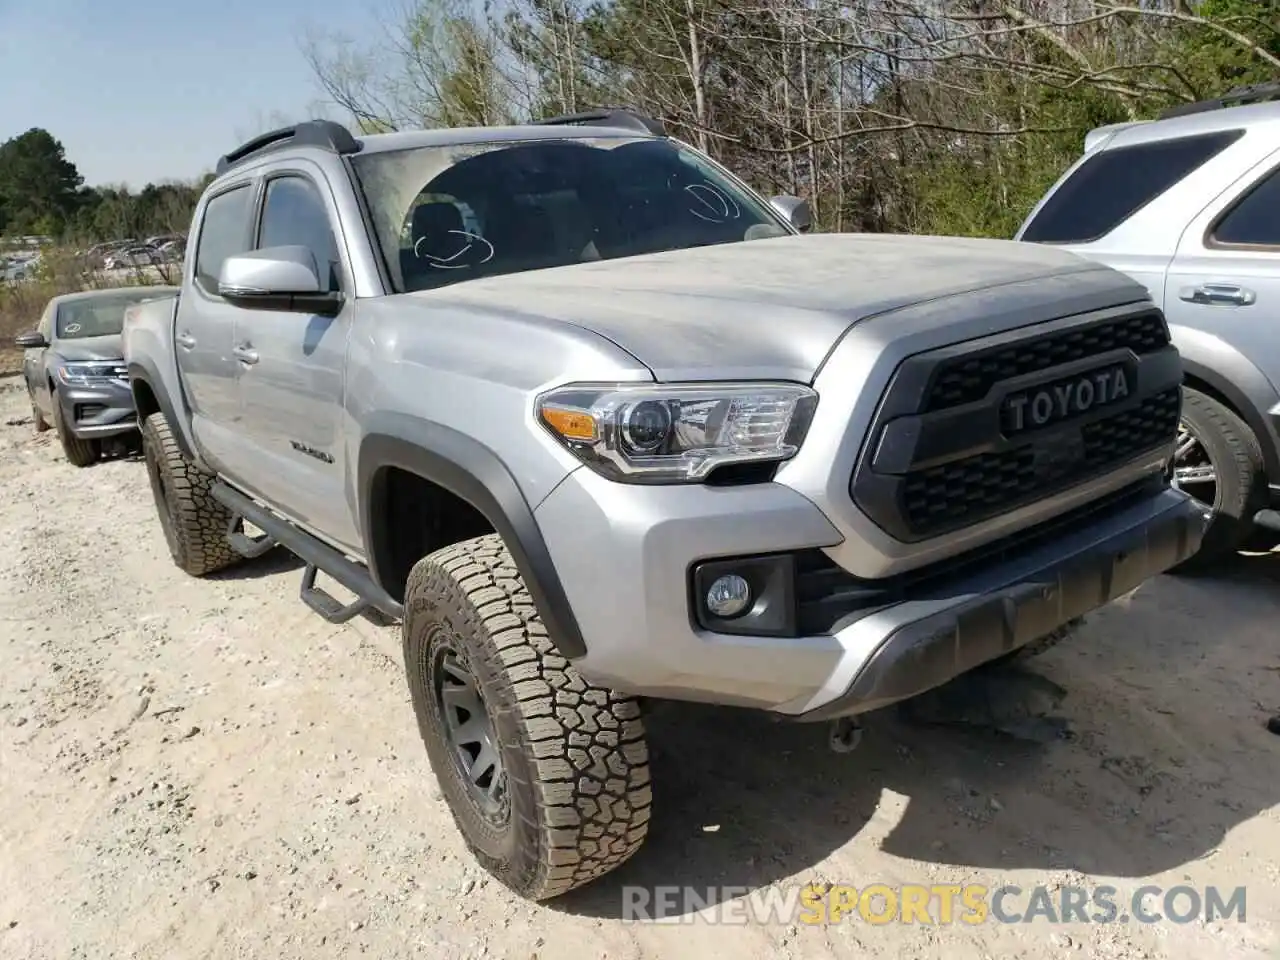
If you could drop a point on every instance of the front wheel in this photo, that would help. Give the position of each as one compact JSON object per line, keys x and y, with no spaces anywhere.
{"x":37,"y":417}
{"x":546,"y":776}
{"x":79,"y":452}
{"x":1217,"y":461}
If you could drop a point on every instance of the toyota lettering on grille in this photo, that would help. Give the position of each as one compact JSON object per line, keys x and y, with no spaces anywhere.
{"x":1064,"y":399}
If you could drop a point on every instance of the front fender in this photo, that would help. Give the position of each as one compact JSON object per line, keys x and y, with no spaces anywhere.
{"x":144,"y":376}
{"x":474,"y":473}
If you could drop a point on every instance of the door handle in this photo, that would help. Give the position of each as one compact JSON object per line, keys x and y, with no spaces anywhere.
{"x":185,"y":340}
{"x":1218,"y":294}
{"x":245,"y":354}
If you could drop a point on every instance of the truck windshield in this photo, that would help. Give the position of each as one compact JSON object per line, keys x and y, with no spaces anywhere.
{"x":445,"y":214}
{"x":98,"y":316}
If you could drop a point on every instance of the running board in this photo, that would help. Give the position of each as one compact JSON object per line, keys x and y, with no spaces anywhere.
{"x":317,"y":555}
{"x":325,"y":603}
{"x":245,"y":545}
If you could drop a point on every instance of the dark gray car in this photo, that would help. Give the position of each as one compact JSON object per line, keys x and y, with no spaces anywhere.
{"x":74,"y":370}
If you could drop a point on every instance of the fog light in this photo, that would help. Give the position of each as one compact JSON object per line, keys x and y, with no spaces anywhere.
{"x":729,"y":596}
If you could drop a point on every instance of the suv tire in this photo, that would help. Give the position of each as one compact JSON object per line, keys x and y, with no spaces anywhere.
{"x":194,"y":523}
{"x":1231,"y":449}
{"x":563,"y":796}
{"x":79,"y":452}
{"x":37,"y":417}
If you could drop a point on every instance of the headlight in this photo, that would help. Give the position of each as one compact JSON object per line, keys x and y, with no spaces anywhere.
{"x":677,"y":434}
{"x":80,"y":374}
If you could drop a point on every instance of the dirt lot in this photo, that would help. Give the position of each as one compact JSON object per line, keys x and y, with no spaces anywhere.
{"x":206,"y":769}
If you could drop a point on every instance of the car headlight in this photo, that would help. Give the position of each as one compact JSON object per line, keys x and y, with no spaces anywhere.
{"x":80,"y":374}
{"x":655,"y":433}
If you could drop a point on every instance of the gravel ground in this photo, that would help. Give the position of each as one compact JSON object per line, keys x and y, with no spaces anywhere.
{"x":206,"y":769}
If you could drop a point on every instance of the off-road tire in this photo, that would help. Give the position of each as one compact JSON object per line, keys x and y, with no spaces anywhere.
{"x":37,"y":418}
{"x":577,"y":765}
{"x":79,"y":452}
{"x":1236,"y":456}
{"x":194,"y":523}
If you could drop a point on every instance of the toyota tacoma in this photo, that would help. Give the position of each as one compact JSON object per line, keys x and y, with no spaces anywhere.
{"x":598,"y":423}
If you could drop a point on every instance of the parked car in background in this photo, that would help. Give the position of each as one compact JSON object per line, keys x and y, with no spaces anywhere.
{"x":1189,"y":205}
{"x":74,"y":369}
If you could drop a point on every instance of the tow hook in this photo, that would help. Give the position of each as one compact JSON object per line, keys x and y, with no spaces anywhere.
{"x":844,"y":735}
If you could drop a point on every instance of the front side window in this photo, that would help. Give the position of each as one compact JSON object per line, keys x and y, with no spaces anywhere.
{"x":98,"y":316}
{"x":1111,"y":186}
{"x":224,"y":232}
{"x":446,"y":214}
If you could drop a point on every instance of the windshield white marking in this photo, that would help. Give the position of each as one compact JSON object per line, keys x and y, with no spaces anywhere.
{"x":446,"y":263}
{"x":716,"y":205}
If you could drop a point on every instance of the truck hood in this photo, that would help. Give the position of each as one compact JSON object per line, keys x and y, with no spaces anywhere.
{"x":110,"y":347}
{"x":770,"y":308}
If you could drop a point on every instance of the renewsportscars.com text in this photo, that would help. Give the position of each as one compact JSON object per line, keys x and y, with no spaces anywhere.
{"x":933,"y":904}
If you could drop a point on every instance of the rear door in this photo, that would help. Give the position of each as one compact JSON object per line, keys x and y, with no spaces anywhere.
{"x":291,"y":366}
{"x":205,"y":324}
{"x":1225,"y":276}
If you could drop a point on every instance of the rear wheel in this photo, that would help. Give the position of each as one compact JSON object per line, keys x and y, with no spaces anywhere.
{"x":1217,"y":461}
{"x":79,"y":452}
{"x":195,"y":524}
{"x":546,"y":776}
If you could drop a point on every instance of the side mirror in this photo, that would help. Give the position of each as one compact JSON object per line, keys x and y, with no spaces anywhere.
{"x":795,"y":211}
{"x":30,"y":341}
{"x":286,"y":279}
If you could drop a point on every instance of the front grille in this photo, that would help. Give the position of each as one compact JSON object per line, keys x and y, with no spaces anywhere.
{"x":969,"y":378}
{"x":977,"y":488}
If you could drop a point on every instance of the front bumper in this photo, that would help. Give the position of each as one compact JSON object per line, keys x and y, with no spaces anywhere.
{"x":626,"y":554}
{"x":98,"y":410}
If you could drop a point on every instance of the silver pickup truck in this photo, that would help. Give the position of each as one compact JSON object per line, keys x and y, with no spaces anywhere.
{"x":600,"y":424}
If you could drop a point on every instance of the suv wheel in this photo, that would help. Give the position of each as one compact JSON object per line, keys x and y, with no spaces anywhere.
{"x":194,"y":523}
{"x":37,"y":417}
{"x":79,"y":452}
{"x":546,"y":776}
{"x":1217,"y":461}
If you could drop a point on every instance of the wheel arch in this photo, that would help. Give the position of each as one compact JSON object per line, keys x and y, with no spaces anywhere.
{"x":464,"y":469}
{"x":149,"y":396}
{"x":1228,"y":392}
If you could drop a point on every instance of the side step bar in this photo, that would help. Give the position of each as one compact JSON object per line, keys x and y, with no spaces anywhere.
{"x":316,"y":554}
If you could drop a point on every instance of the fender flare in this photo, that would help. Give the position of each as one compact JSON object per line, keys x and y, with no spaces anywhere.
{"x":142,"y":373}
{"x":1242,"y":393}
{"x":474,"y":473}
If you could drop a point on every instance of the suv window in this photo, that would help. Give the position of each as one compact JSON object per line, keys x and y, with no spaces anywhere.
{"x":224,"y":232}
{"x":1255,"y":219}
{"x":294,"y":213}
{"x":1112,"y":186}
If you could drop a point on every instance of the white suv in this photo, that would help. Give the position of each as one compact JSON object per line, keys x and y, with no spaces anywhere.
{"x":1189,"y":205}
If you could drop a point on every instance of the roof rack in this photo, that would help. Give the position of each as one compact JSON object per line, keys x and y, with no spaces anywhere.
{"x":1235,"y":97}
{"x":621,"y":117}
{"x":324,"y":134}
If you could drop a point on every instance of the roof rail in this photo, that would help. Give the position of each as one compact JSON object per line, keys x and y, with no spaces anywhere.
{"x":324,"y":134}
{"x":1235,"y":97}
{"x":621,"y":117}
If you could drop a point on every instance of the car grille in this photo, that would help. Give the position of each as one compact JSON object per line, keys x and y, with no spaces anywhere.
{"x":967,"y":379}
{"x":945,"y":457}
{"x":971,"y":490}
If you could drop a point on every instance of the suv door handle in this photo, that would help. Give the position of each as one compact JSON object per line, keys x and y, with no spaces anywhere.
{"x":1218,"y":294}
{"x":185,"y":340}
{"x":245,"y":354}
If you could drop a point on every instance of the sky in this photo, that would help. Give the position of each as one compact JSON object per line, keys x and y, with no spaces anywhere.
{"x":142,"y":91}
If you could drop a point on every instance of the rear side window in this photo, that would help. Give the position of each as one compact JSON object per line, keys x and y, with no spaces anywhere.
{"x":1255,"y":220}
{"x":1112,"y":186}
{"x":224,"y":233}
